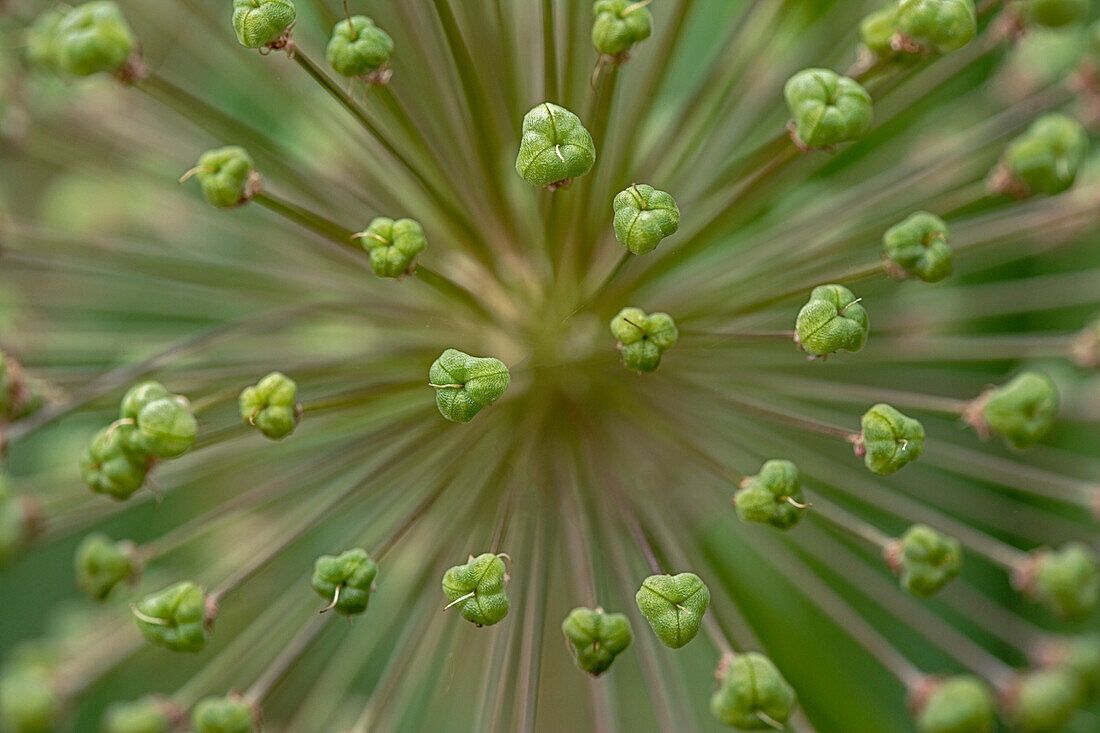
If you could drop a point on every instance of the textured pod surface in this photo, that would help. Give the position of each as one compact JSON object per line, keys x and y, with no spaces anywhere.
{"x":832,"y":320}
{"x":958,"y":705}
{"x":596,"y":638}
{"x":165,"y":428}
{"x":358,"y":46}
{"x":619,"y":25}
{"x":465,"y":384}
{"x":93,"y":37}
{"x":393,"y":245}
{"x":827,"y":108}
{"x":752,"y":694}
{"x":108,"y":465}
{"x":347,"y":578}
{"x":271,"y":405}
{"x":772,"y":496}
{"x":174,"y":618}
{"x":224,"y":175}
{"x":554,"y":146}
{"x":1023,"y":410}
{"x":929,"y":560}
{"x":101,"y":564}
{"x":891,"y":439}
{"x":260,"y":22}
{"x":1046,"y":158}
{"x":674,"y":606}
{"x":476,"y":588}
{"x":938,"y":25}
{"x":643,"y":217}
{"x":877,"y":30}
{"x":643,"y":338}
{"x":919,"y":246}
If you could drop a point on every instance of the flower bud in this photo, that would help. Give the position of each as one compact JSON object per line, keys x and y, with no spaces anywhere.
{"x":345,"y":580}
{"x":918,"y":246}
{"x":925,"y":559}
{"x":40,"y":40}
{"x":1066,"y":580}
{"x":227,"y":176}
{"x":477,"y":589}
{"x":29,"y":698}
{"x":358,"y":47}
{"x":1043,"y":701}
{"x":20,"y":517}
{"x":891,"y":440}
{"x":1086,"y":347}
{"x":554,"y":147}
{"x":109,"y":466}
{"x":827,"y":108}
{"x":393,"y":245}
{"x":1045,"y":159}
{"x":93,"y":37}
{"x":271,"y":405}
{"x":643,"y":339}
{"x":260,"y":22}
{"x":175,"y":618}
{"x":465,"y":384}
{"x":102,"y":564}
{"x":1021,"y":411}
{"x":962,"y":704}
{"x":595,"y":638}
{"x":1056,"y":13}
{"x":773,"y":496}
{"x":232,"y":714}
{"x":619,"y":25}
{"x":938,"y":25}
{"x":674,"y":606}
{"x":165,"y":428}
{"x":832,"y":320}
{"x":752,"y":694}
{"x":877,"y":30}
{"x":151,"y":714}
{"x":643,"y":217}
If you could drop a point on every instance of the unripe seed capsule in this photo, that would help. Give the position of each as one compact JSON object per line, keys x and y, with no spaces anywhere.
{"x":271,"y":405}
{"x":827,"y":108}
{"x":554,"y":147}
{"x":595,"y":638}
{"x":345,"y":580}
{"x":109,"y":466}
{"x":165,"y":428}
{"x":919,"y":246}
{"x":1066,"y":580}
{"x":877,"y":30}
{"x":477,"y":589}
{"x":358,"y":47}
{"x":232,"y":714}
{"x":1043,"y":701}
{"x":832,"y":320}
{"x":643,"y":217}
{"x":752,"y":694}
{"x":259,"y":23}
{"x":937,"y":25}
{"x":962,"y":704}
{"x":1044,"y":160}
{"x":93,"y":37}
{"x":465,"y":384}
{"x":889,"y":439}
{"x":101,"y":564}
{"x":619,"y":25}
{"x":674,"y":606}
{"x":393,"y":245}
{"x":773,"y":496}
{"x":1021,"y":411}
{"x":227,"y":176}
{"x":925,"y":560}
{"x":643,"y":339}
{"x":176,"y":618}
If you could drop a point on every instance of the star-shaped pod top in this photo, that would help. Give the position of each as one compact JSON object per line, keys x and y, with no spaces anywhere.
{"x":773,"y":496}
{"x":752,"y":694}
{"x":619,"y":25}
{"x":596,"y":638}
{"x":345,"y":580}
{"x":174,"y":618}
{"x":465,"y":384}
{"x":260,"y":22}
{"x":925,"y":560}
{"x":226,"y":176}
{"x":393,"y":245}
{"x":271,"y":405}
{"x":643,"y":339}
{"x":890,"y":439}
{"x":554,"y":147}
{"x":643,"y":217}
{"x":827,"y":108}
{"x":477,"y":589}
{"x":919,"y":246}
{"x":832,"y":320}
{"x":674,"y":606}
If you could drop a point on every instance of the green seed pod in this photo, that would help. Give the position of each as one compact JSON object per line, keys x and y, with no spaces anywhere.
{"x":643,"y":339}
{"x":1056,"y":13}
{"x":674,"y":606}
{"x":29,"y":698}
{"x":554,"y":147}
{"x":477,"y":588}
{"x":773,"y":496}
{"x":619,"y":25}
{"x":1043,"y":701}
{"x":595,"y":638}
{"x":465,"y":384}
{"x":40,"y":40}
{"x":1045,"y":159}
{"x":925,"y":559}
{"x":19,"y":520}
{"x":1066,"y":580}
{"x":889,"y":440}
{"x":108,"y":465}
{"x":175,"y":618}
{"x":1082,"y":655}
{"x":232,"y":714}
{"x":227,"y":176}
{"x":832,"y":320}
{"x":93,"y":37}
{"x":345,"y":580}
{"x":919,"y":246}
{"x":393,"y":245}
{"x":151,"y":714}
{"x":271,"y":405}
{"x":165,"y":428}
{"x":1021,"y":411}
{"x":262,"y":22}
{"x":938,"y":25}
{"x":101,"y":564}
{"x":139,"y":396}
{"x":827,"y":108}
{"x":877,"y":30}
{"x":358,"y":47}
{"x":643,"y":217}
{"x":962,"y":704}
{"x":752,"y":694}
